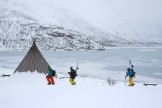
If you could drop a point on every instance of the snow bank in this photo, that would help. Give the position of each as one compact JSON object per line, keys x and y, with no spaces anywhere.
{"x":30,"y":91}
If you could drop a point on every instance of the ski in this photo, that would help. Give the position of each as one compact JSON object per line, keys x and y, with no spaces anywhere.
{"x":131,"y":64}
{"x":3,"y":75}
{"x":77,"y":67}
{"x":147,"y":84}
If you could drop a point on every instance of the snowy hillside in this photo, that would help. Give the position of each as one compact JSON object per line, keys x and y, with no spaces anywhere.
{"x":77,"y":24}
{"x":17,"y":29}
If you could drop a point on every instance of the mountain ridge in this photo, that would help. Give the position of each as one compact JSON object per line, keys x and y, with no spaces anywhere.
{"x":74,"y":33}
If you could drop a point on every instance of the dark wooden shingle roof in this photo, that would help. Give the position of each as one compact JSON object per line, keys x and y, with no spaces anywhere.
{"x":33,"y":61}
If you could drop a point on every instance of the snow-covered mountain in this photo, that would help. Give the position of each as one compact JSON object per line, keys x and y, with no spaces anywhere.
{"x":62,"y":24}
{"x":17,"y":31}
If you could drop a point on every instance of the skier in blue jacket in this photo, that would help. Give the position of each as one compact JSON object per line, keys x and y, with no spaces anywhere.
{"x":131,"y":74}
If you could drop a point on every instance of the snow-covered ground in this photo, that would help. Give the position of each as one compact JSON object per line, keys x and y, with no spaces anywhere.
{"x":30,"y":90}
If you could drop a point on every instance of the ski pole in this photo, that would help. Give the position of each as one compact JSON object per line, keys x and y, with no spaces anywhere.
{"x":63,"y":77}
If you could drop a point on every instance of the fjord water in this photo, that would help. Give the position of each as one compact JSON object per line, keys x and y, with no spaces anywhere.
{"x":111,"y":62}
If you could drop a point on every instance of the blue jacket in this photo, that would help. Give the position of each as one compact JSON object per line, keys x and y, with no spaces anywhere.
{"x":50,"y":73}
{"x":129,"y":73}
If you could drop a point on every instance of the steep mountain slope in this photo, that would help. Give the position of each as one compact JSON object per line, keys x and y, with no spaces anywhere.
{"x":62,"y":25}
{"x":17,"y":31}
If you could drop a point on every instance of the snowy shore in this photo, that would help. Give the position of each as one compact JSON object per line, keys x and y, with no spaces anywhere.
{"x":30,"y":90}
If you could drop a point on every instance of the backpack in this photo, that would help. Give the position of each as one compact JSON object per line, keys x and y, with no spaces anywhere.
{"x":132,"y":73}
{"x":53,"y":72}
{"x":72,"y":73}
